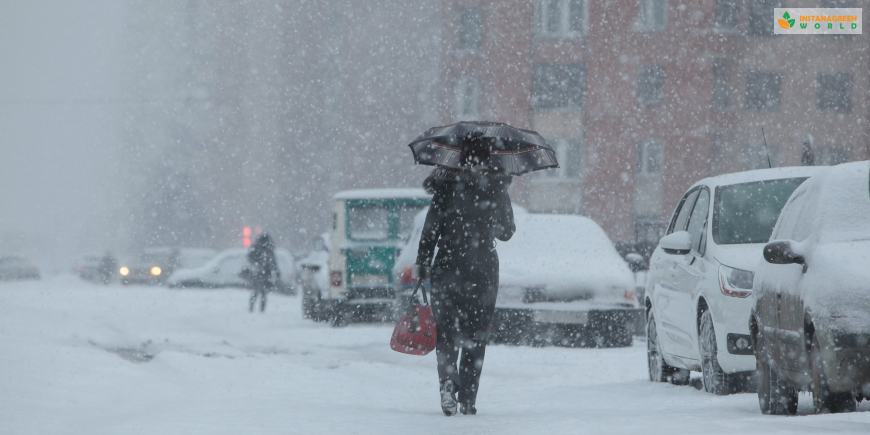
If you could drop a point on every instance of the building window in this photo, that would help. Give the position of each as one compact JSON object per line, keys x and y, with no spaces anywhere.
{"x":651,"y":85}
{"x":721,"y":90}
{"x":559,"y":87}
{"x":761,"y":16}
{"x":469,"y":29}
{"x":727,"y":13}
{"x":562,"y":18}
{"x":569,"y":153}
{"x":763,"y":90}
{"x":835,"y":92}
{"x":653,"y":15}
{"x":650,"y":157}
{"x":466,"y":99}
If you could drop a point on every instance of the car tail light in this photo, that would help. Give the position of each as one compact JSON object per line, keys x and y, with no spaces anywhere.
{"x":406,"y":276}
{"x":629,"y":295}
{"x":335,"y":278}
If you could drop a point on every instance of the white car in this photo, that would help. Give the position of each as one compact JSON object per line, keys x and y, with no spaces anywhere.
{"x":811,"y":318}
{"x":224,"y":271}
{"x":701,"y":274}
{"x":561,"y":282}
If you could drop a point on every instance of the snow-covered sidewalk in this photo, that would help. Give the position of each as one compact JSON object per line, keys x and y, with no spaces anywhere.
{"x":81,"y":358}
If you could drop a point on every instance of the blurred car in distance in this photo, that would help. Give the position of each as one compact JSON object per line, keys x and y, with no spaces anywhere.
{"x":561,"y":282}
{"x":224,"y":270}
{"x":810,"y":323}
{"x":88,"y":267}
{"x":699,"y":285}
{"x":13,"y":267}
{"x":154,"y":265}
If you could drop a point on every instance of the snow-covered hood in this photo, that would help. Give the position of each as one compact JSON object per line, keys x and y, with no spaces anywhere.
{"x":563,"y":258}
{"x":740,"y":256}
{"x":837,"y":285}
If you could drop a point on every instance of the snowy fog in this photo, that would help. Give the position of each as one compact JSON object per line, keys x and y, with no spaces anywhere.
{"x":165,"y":163}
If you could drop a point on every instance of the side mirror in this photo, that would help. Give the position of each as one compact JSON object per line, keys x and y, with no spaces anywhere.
{"x":781,"y":252}
{"x":676,"y":243}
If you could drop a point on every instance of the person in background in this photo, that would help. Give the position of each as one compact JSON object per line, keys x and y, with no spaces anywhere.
{"x":470,"y":209}
{"x":263,"y":273}
{"x":107,"y":268}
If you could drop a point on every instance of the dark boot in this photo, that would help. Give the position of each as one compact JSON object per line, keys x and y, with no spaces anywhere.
{"x":467,"y":408}
{"x":448,"y":398}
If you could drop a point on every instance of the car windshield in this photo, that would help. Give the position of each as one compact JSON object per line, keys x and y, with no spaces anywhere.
{"x":369,"y":222}
{"x":746,"y":213}
{"x":155,"y":258}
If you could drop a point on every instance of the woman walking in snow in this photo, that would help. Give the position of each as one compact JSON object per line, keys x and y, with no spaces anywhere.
{"x":470,"y":208}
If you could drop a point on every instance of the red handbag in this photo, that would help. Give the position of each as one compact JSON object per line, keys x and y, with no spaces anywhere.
{"x":415,"y":332}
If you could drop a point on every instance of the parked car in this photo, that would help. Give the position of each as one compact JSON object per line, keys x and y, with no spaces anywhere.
{"x":368,"y":228}
{"x":810,"y":324}
{"x":561,"y":282}
{"x":13,"y":267}
{"x":154,"y":265}
{"x":224,"y":270}
{"x":88,"y":267}
{"x":312,"y":276}
{"x":701,"y":274}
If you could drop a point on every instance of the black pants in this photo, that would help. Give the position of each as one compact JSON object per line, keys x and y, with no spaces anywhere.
{"x":260,"y":290}
{"x":463,"y":302}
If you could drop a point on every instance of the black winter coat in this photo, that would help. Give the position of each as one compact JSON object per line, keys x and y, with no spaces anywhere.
{"x":263,"y":265}
{"x":470,"y":209}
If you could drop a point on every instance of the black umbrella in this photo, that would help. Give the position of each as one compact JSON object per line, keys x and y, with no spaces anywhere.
{"x":513,"y":150}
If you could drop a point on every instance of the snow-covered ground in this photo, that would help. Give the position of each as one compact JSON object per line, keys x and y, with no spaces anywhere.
{"x":80,"y":358}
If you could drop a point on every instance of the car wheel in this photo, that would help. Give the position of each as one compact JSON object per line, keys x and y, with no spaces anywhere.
{"x":308,"y":306}
{"x":715,"y":380}
{"x":824,"y":401}
{"x":659,"y":371}
{"x":338,"y":316}
{"x":763,"y":370}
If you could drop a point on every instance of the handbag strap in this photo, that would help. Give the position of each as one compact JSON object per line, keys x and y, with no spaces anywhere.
{"x":422,"y":291}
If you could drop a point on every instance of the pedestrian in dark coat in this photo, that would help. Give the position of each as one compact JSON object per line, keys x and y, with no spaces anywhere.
{"x":470,"y":208}
{"x":263,"y":268}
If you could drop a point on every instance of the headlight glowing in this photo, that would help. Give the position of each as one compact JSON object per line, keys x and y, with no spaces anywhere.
{"x":124,"y":271}
{"x":156,"y":271}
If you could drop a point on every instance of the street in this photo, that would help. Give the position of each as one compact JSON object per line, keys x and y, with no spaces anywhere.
{"x":82,"y":358}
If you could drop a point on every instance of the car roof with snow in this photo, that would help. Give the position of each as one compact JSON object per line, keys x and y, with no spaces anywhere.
{"x":397,"y":193}
{"x":760,"y":175}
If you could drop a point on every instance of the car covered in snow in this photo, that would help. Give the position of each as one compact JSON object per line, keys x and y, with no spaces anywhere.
{"x":561,"y":282}
{"x":810,"y":324}
{"x":225,"y":270}
{"x":699,"y":285}
{"x":13,"y":267}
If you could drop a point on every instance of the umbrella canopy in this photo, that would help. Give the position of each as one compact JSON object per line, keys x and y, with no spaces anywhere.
{"x":512,"y":150}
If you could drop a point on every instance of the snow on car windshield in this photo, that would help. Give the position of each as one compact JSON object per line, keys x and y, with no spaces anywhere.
{"x":746,"y":213}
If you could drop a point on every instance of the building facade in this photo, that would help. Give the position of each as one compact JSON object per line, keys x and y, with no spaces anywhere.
{"x":641,"y":98}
